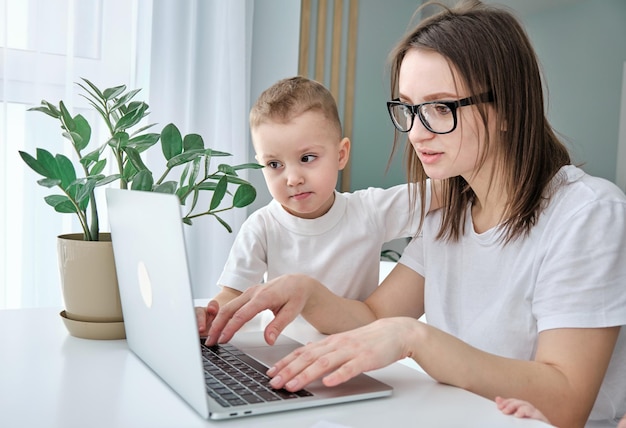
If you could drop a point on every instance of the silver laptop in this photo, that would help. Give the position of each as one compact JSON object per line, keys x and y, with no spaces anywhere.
{"x":161,"y":329}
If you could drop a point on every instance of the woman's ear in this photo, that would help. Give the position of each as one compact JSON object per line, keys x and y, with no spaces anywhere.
{"x":344,"y":152}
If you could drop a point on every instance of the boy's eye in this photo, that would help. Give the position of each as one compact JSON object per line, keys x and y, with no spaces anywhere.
{"x":274,"y":164}
{"x":308,"y":158}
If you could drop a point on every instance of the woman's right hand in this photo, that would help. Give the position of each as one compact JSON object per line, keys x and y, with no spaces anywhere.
{"x":286,"y":296}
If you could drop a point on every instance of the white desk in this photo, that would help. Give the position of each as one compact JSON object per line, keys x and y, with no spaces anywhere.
{"x":51,"y":379}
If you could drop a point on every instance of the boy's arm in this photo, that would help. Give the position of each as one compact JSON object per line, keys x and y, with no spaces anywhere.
{"x":226,"y":295}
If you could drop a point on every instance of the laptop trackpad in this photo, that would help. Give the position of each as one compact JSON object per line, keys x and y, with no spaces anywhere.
{"x":253,"y":344}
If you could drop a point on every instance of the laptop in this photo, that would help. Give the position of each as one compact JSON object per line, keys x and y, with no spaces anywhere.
{"x":161,"y":329}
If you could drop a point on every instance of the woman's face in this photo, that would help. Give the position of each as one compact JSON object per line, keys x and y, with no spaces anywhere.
{"x":426,"y":76}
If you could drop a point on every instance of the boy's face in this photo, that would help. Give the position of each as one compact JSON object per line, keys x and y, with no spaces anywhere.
{"x":302,"y":158}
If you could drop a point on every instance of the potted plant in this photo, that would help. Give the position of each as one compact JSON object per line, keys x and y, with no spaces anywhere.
{"x":93,"y":308}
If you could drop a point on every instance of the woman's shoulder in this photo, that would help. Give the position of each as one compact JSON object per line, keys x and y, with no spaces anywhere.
{"x":572,"y":182}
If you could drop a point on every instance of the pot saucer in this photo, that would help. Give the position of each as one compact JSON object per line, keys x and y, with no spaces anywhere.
{"x":94,"y":330}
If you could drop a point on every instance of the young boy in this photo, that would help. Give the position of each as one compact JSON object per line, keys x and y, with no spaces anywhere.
{"x":309,"y":227}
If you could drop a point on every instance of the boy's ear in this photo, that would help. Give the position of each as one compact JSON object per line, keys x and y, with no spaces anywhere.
{"x":344,"y":152}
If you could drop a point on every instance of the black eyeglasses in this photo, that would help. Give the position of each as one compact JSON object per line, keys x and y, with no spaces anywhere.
{"x":439,"y":117}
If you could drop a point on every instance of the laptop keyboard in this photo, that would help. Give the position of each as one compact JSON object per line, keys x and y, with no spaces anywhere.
{"x":235,"y":379}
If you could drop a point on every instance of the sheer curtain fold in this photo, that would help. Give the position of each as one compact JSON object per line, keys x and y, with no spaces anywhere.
{"x":191,"y":59}
{"x":199,"y":70}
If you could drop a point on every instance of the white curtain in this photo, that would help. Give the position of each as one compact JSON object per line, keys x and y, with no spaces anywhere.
{"x":191,"y":60}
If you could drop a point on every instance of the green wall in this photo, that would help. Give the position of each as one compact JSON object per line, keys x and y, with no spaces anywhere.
{"x":582,"y":48}
{"x":381,"y":25}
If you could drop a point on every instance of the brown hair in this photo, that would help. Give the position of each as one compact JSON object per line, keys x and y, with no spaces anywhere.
{"x":491,"y":51}
{"x":291,"y":97}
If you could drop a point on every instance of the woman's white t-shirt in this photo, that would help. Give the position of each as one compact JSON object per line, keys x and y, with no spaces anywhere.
{"x":569,"y":272}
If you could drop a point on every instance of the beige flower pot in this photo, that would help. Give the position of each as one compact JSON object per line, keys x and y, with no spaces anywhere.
{"x":92,"y":300}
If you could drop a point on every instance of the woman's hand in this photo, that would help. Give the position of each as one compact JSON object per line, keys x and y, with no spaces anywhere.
{"x":285,"y":296}
{"x":342,"y":356}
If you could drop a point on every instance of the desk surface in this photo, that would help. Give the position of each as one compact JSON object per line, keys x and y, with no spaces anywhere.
{"x":49,"y":378}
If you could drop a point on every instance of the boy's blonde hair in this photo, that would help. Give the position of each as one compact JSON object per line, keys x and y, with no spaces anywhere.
{"x":289,"y":98}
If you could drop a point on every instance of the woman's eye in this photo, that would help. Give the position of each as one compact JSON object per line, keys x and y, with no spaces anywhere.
{"x":274,"y":164}
{"x":308,"y":158}
{"x":442,"y":109}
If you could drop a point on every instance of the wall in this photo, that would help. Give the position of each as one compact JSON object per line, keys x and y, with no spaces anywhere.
{"x":582,"y":48}
{"x":380,"y":27}
{"x":275,"y":44}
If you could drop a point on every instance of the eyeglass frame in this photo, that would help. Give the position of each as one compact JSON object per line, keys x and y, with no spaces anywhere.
{"x":452,"y":105}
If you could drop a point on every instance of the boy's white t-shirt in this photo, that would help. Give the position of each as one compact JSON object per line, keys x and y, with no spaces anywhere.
{"x":341,"y":249}
{"x":569,"y":272}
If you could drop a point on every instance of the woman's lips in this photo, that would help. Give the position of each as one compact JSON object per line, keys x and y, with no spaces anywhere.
{"x":428,"y":157}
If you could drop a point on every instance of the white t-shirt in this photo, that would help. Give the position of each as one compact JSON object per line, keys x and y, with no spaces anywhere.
{"x":570,"y":272}
{"x":341,"y":249}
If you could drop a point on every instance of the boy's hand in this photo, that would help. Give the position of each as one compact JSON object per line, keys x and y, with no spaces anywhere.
{"x":519,"y":409}
{"x":205,"y":317}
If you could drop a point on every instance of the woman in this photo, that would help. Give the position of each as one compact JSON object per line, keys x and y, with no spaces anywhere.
{"x":521,"y":275}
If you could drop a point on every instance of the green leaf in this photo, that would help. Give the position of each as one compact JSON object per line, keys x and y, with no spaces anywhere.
{"x":84,"y":191}
{"x":98,"y":167}
{"x":66,"y":118}
{"x":84,"y":130}
{"x":187,"y":221}
{"x":144,"y":142}
{"x":34,"y":164}
{"x":125,"y":99}
{"x":61,"y":204}
{"x":111,"y":93}
{"x":248,"y":166}
{"x":49,"y":182}
{"x":182,"y":191}
{"x":171,"y":141}
{"x":67,"y":173}
{"x":193,"y":172}
{"x":167,"y":187}
{"x":92,"y":157}
{"x":75,"y":138}
{"x":236,"y":180}
{"x":183,"y":175}
{"x":244,"y":196}
{"x":184,"y":157}
{"x":142,"y":181}
{"x":131,"y":118}
{"x":143,"y":128}
{"x":93,"y":87}
{"x":226,"y":169}
{"x":129,"y":171}
{"x":135,"y":158}
{"x":108,"y":179}
{"x":48,"y":109}
{"x":218,"y":194}
{"x":121,"y":140}
{"x":207,"y":185}
{"x":193,"y":142}
{"x":48,"y":163}
{"x":223,"y":223}
{"x":216,"y":153}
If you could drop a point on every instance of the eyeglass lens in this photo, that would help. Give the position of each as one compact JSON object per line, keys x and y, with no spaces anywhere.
{"x":436,"y":117}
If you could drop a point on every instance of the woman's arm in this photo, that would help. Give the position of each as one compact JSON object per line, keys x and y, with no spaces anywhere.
{"x":564,"y":378}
